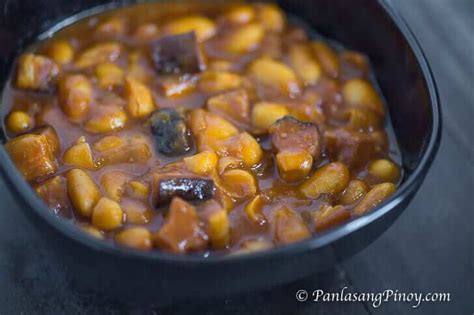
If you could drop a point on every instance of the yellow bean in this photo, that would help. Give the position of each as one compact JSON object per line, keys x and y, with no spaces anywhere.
{"x":239,"y":183}
{"x":202,"y":163}
{"x":140,"y":100}
{"x":114,"y":184}
{"x":359,"y":92}
{"x":92,"y":231}
{"x":332,"y":178}
{"x":82,"y":191}
{"x":253,"y":210}
{"x":271,"y":17}
{"x":99,"y":53}
{"x":275,"y":74}
{"x":374,"y":197}
{"x":75,"y":96}
{"x":355,"y":190}
{"x":79,"y":155}
{"x":218,"y":81}
{"x":109,"y":75}
{"x":218,"y":229}
{"x":244,"y":39}
{"x":202,"y":26}
{"x":385,"y":170}
{"x":18,"y":121}
{"x":327,"y":58}
{"x":240,"y":14}
{"x":136,"y":238}
{"x":264,"y":114}
{"x":107,"y":215}
{"x":303,"y":63}
{"x":61,"y":52}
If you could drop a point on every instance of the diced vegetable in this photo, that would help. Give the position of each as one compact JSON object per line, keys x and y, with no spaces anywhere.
{"x":109,"y":75}
{"x":172,"y":136}
{"x":61,"y":52}
{"x":385,"y":170}
{"x":132,"y":153}
{"x":32,"y":155}
{"x":114,"y":183}
{"x":35,"y":72}
{"x":176,"y":54}
{"x":174,"y":86}
{"x":108,"y":142}
{"x":92,"y":231}
{"x":328,"y":217}
{"x":82,"y":191}
{"x":244,"y":38}
{"x":288,"y":226}
{"x":218,"y":81}
{"x":332,"y":178}
{"x":146,"y":32}
{"x":244,"y":147}
{"x":253,"y":210}
{"x":305,"y":66}
{"x":374,"y":197}
{"x":99,"y":53}
{"x":19,"y":121}
{"x":106,"y":118}
{"x":233,"y":105}
{"x":355,"y":190}
{"x":181,"y":231}
{"x":79,"y":155}
{"x":264,"y":114}
{"x":254,"y":246}
{"x":275,"y":74}
{"x":138,"y":189}
{"x":136,"y":211}
{"x":358,"y":92}
{"x":239,"y":184}
{"x":51,"y":137}
{"x":191,"y":188}
{"x":294,"y":165}
{"x":218,"y":228}
{"x":327,"y":58}
{"x":271,"y":17}
{"x":136,"y":238}
{"x":140,"y":100}
{"x":202,"y":163}
{"x":240,"y":14}
{"x":201,"y":26}
{"x":113,"y":26}
{"x":53,"y":193}
{"x":75,"y":96}
{"x":107,"y":214}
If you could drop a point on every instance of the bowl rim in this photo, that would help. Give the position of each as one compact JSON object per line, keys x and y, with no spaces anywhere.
{"x":66,"y":227}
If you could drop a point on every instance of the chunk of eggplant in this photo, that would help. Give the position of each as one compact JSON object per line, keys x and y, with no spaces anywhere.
{"x":176,"y":54}
{"x":172,"y":136}
{"x":188,"y":188}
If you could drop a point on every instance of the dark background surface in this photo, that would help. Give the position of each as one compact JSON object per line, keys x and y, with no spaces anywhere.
{"x":429,"y":249}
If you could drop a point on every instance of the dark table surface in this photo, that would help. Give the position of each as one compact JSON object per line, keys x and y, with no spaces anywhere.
{"x":430,"y":249}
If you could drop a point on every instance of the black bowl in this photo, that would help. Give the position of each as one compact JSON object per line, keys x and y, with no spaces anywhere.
{"x":407,"y":83}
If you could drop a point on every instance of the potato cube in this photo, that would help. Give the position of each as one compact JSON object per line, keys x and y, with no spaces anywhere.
{"x":133,"y":153}
{"x":53,"y":193}
{"x":294,"y":166}
{"x":288,"y":226}
{"x":32,"y":155}
{"x":178,"y":85}
{"x":82,"y":191}
{"x":108,"y":142}
{"x":332,"y":178}
{"x":137,"y":211}
{"x":79,"y":155}
{"x":35,"y":72}
{"x":106,"y":118}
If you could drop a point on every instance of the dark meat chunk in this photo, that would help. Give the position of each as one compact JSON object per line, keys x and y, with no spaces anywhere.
{"x":188,"y":188}
{"x":181,"y":231}
{"x":177,"y":54}
{"x":290,"y":134}
{"x":353,"y":148}
{"x":172,"y":136}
